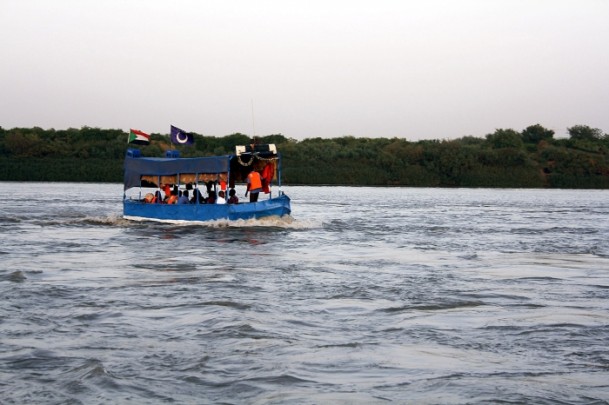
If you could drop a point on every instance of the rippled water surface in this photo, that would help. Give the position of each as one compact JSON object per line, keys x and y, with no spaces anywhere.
{"x":364,"y":296}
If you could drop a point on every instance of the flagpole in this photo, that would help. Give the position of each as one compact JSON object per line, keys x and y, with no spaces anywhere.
{"x":253,"y":124}
{"x":173,"y":147}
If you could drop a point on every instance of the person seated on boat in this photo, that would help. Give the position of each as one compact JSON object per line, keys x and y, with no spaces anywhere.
{"x":167,"y":190}
{"x":209,"y":185}
{"x":197,"y":197}
{"x":254,"y":185}
{"x":183,"y":199}
{"x":232,"y":196}
{"x":173,"y":197}
{"x":157,"y":197}
{"x":221,"y":199}
{"x":211,"y":199}
{"x":149,"y":198}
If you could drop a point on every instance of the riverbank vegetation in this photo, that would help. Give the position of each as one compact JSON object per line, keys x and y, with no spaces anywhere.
{"x":532,"y":157}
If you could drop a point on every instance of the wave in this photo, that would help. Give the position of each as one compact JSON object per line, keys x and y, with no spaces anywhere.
{"x":441,"y":306}
{"x":116,"y":220}
{"x":284,"y":222}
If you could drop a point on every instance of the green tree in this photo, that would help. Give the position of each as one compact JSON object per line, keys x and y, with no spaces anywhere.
{"x":536,"y":133}
{"x":504,"y":138}
{"x":584,"y":132}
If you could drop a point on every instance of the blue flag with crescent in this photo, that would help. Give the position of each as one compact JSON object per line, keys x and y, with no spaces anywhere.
{"x":181,"y":137}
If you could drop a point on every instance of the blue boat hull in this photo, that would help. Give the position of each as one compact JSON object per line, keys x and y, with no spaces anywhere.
{"x":278,"y":206}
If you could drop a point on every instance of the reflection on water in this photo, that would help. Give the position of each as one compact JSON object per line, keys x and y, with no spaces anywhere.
{"x":364,"y":295}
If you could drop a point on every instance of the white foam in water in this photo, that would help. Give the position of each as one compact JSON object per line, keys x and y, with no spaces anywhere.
{"x":287,"y":222}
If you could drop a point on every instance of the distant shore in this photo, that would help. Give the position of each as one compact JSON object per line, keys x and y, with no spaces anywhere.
{"x":531,"y":158}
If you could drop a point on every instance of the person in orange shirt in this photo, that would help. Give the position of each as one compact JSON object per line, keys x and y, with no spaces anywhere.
{"x":254,"y":185}
{"x":167,"y":191}
{"x":173,"y":197}
{"x":267,"y":177}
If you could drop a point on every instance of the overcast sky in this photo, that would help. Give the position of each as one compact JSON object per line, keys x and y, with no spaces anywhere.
{"x":414,"y":69}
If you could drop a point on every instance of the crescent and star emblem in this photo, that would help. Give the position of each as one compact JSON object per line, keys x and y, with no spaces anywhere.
{"x":181,"y":137}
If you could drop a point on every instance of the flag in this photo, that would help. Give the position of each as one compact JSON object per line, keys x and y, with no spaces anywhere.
{"x":138,"y":137}
{"x":181,"y":137}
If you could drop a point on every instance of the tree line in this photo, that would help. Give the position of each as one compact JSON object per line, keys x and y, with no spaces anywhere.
{"x":531,"y":158}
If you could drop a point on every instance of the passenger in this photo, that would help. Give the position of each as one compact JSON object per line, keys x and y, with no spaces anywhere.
{"x":167,"y":190}
{"x":184,"y":198}
{"x":209,"y":186}
{"x":232,"y":197}
{"x":267,"y":177}
{"x":197,"y":197}
{"x":158,"y":199}
{"x":149,"y":198}
{"x":173,"y":197}
{"x":221,"y":199}
{"x":211,"y":199}
{"x":254,"y":185}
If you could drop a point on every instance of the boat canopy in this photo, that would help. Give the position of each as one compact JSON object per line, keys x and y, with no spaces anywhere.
{"x":137,"y":168}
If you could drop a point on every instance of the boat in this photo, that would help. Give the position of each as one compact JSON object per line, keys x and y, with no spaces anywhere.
{"x":145,"y":178}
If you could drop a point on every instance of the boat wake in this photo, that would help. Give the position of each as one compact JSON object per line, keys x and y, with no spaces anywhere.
{"x":118,"y":221}
{"x":283,"y":222}
{"x":110,"y":220}
{"x":286,"y":222}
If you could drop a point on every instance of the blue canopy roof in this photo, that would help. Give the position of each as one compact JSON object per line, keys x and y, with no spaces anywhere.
{"x":135,"y":167}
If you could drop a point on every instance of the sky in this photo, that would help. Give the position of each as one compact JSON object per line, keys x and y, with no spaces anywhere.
{"x":412,"y":69}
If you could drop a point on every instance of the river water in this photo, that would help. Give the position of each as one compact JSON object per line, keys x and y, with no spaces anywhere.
{"x":363,"y":296}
